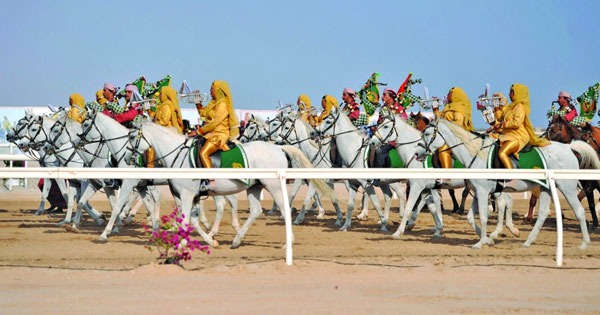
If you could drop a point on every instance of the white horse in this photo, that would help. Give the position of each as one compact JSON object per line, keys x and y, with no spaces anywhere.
{"x":407,"y":139}
{"x":352,"y":147}
{"x":472,"y":151}
{"x":256,"y":129}
{"x":173,"y":149}
{"x":16,"y":136}
{"x":35,"y":135}
{"x":296,"y":132}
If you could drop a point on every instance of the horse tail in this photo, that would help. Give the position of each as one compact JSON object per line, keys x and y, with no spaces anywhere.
{"x":299,"y":160}
{"x":588,"y":156}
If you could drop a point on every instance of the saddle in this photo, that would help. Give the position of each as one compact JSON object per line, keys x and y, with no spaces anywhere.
{"x":215,"y":157}
{"x":496,"y":163}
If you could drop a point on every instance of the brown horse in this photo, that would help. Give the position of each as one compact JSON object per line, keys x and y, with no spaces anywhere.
{"x":420,"y":122}
{"x":560,"y":130}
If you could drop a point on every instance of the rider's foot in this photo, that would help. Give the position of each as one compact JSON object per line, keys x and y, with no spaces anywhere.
{"x":376,"y":182}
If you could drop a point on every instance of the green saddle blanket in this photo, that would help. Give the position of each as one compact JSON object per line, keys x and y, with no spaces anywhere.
{"x":428,"y":163}
{"x":232,"y":158}
{"x":532,"y":159}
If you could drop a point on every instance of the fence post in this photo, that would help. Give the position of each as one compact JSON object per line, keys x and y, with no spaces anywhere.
{"x":559,"y":225}
{"x":287,"y":216}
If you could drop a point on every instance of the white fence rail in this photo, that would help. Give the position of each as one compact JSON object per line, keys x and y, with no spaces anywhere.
{"x":308,"y":173}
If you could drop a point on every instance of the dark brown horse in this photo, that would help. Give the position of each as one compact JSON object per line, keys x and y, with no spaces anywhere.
{"x":560,"y":130}
{"x":420,"y":122}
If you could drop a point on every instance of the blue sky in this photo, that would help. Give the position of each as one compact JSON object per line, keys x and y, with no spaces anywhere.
{"x":275,"y":50}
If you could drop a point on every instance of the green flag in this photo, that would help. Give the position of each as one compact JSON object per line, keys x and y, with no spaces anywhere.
{"x":588,"y":102}
{"x":369,"y":94}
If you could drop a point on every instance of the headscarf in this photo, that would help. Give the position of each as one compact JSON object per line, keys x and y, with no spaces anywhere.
{"x":77,"y":110}
{"x":168,"y":95}
{"x":460,"y":103}
{"x":100,"y":97}
{"x":565,"y":94}
{"x":110,"y":86}
{"x":77,"y":100}
{"x":223,"y":94}
{"x":132,"y":88}
{"x":349,"y":91}
{"x":304,"y":99}
{"x":521,"y":95}
{"x":330,"y":103}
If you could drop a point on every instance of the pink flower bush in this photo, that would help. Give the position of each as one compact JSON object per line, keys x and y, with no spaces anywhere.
{"x":172,"y":239}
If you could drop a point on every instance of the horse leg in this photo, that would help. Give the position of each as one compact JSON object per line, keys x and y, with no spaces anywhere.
{"x":351,"y":197}
{"x":580,"y":215}
{"x":220,"y":205}
{"x":255,"y":211}
{"x":433,"y":200}
{"x":481,"y":206}
{"x":588,"y":188}
{"x":364,"y":213}
{"x":508,"y":210}
{"x":307,"y":200}
{"x":465,"y":194}
{"x":70,"y":205}
{"x":543,"y":211}
{"x":375,"y":200}
{"x":201,"y":214}
{"x":416,"y":187}
{"x":500,"y":224}
{"x":126,"y":188}
{"x":535,"y":195}
{"x":233,"y":203}
{"x":45,"y":191}
{"x":454,"y":201}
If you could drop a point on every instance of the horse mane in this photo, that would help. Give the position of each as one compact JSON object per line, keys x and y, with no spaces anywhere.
{"x":476,"y":145}
{"x":308,"y":128}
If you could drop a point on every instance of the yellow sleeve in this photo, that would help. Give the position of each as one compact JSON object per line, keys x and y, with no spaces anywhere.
{"x":219,"y":114}
{"x":515,"y":120}
{"x":74,"y":114}
{"x":162,"y":116}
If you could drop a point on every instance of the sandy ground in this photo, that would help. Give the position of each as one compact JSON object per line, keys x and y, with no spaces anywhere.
{"x":44,"y":269}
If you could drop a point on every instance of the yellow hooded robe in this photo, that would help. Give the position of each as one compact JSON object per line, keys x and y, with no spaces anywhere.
{"x":516,"y":125}
{"x":458,"y":110}
{"x":220,"y":117}
{"x":77,"y":110}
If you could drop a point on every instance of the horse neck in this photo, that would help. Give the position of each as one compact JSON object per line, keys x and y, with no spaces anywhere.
{"x":113,"y":133}
{"x":409,"y":135}
{"x":306,"y":145}
{"x":459,"y":149}
{"x":164,"y":143}
{"x":349,"y":143}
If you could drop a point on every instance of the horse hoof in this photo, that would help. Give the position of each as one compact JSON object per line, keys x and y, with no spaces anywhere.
{"x":583,"y":246}
{"x":321,"y":216}
{"x":362,"y":217}
{"x":236,"y":244}
{"x":395,"y":236}
{"x":409,"y":227}
{"x":100,"y":222}
{"x":526,"y":244}
{"x":72,"y":229}
{"x":216,"y":244}
{"x":516,"y":232}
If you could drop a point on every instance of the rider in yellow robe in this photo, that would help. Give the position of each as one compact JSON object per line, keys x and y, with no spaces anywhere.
{"x":458,"y":111}
{"x":305,"y":109}
{"x":329,"y":104}
{"x":515,"y":127}
{"x":221,"y":122}
{"x":77,"y":110}
{"x":167,"y":112}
